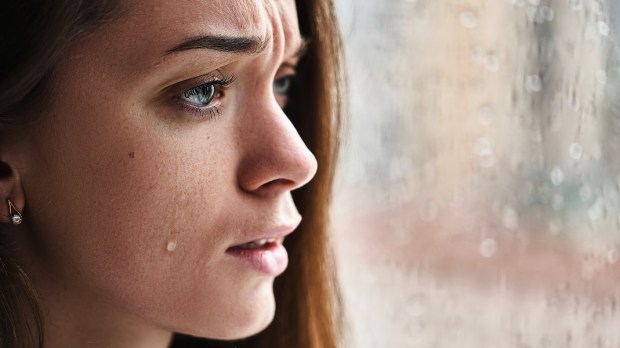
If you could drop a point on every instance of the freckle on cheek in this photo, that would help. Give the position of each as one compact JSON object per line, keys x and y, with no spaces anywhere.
{"x":132,"y":154}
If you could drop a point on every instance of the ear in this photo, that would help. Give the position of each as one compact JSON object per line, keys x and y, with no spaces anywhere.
{"x":10,"y":189}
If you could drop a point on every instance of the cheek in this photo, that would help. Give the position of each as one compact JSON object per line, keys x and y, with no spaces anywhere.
{"x":112,"y":200}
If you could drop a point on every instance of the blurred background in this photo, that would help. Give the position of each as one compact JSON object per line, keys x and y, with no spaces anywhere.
{"x":478,"y":198}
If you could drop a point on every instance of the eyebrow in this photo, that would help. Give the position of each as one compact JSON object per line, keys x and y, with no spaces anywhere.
{"x":244,"y":45}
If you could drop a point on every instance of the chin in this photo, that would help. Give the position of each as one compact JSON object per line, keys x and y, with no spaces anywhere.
{"x":244,"y":318}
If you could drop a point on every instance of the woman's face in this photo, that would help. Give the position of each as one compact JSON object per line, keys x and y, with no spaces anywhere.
{"x":163,"y":149}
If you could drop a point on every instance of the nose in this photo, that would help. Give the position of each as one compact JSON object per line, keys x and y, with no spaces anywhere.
{"x":275,"y":158}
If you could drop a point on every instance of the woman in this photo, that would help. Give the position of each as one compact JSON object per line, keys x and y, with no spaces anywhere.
{"x":147,"y":171}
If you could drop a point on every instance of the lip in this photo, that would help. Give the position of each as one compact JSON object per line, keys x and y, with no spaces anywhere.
{"x":271,"y":259}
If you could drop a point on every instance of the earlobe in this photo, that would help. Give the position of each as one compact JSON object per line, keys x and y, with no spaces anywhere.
{"x":14,"y":214}
{"x":12,"y":199}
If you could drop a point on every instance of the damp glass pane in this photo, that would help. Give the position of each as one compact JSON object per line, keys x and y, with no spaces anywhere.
{"x":478,"y":202}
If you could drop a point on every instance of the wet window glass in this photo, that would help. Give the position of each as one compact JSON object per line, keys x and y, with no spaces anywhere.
{"x":478,"y":203}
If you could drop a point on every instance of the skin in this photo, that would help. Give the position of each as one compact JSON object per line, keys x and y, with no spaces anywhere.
{"x":119,"y":167}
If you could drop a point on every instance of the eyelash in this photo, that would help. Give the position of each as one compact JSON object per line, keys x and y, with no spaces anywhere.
{"x":208,"y":111}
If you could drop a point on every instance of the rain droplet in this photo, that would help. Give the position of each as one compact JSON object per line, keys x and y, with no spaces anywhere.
{"x":533,"y":83}
{"x":557,"y":176}
{"x":532,"y":13}
{"x":171,"y":245}
{"x":469,"y":20}
{"x":510,"y":218}
{"x":488,"y":247}
{"x":603,"y":28}
{"x":595,"y":212}
{"x":596,"y":7}
{"x":575,"y":151}
{"x":482,"y":146}
{"x":547,"y":13}
{"x":576,"y":5}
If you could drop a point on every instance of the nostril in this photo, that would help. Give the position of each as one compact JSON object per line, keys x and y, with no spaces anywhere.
{"x":5,"y":170}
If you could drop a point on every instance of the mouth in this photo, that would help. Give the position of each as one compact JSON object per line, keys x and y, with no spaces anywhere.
{"x":265,"y":253}
{"x":259,"y":244}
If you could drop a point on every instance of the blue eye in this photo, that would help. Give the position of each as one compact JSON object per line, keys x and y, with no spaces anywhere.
{"x":282,"y":85}
{"x":200,"y":96}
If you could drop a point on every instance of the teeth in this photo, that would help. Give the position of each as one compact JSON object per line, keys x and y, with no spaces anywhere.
{"x":257,"y":243}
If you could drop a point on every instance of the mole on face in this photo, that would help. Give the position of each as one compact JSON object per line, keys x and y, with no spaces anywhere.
{"x":132,"y":154}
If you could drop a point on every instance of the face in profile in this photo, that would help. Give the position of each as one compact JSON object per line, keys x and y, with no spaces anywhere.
{"x":158,"y":181}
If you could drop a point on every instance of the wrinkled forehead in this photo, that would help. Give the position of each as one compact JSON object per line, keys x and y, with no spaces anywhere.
{"x":243,"y":18}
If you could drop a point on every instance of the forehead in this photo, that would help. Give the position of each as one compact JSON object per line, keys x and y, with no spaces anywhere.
{"x":136,"y":42}
{"x":244,"y":18}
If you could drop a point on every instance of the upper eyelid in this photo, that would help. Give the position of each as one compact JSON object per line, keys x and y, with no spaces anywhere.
{"x":211,"y":78}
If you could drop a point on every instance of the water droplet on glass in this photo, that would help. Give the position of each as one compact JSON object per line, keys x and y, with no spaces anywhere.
{"x":547,"y":13}
{"x":557,"y":176}
{"x":575,"y":151}
{"x":469,"y":20}
{"x":532,"y":13}
{"x":534,"y":2}
{"x":482,"y":146}
{"x":533,"y":83}
{"x":603,"y":28}
{"x":488,"y":247}
{"x":171,"y":245}
{"x":595,"y":212}
{"x":510,"y":218}
{"x":576,"y":5}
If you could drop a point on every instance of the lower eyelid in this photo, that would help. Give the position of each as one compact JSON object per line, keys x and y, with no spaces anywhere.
{"x":207,"y":112}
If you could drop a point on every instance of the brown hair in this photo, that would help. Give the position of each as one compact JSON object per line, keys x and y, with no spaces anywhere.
{"x":35,"y":34}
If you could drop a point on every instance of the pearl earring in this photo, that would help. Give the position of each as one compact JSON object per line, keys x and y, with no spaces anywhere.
{"x":16,"y":216}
